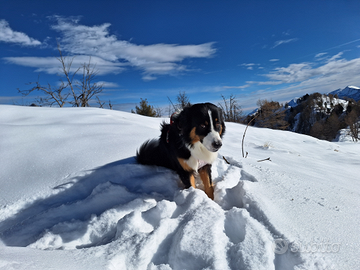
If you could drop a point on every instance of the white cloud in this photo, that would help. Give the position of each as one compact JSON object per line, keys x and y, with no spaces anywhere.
{"x":237,"y":87}
{"x":320,"y":55}
{"x":274,"y":60}
{"x":300,"y":78}
{"x":280,"y":42}
{"x":111,"y":55}
{"x":51,"y":65}
{"x":108,"y":84}
{"x":10,"y":36}
{"x":249,"y":66}
{"x":153,"y":60}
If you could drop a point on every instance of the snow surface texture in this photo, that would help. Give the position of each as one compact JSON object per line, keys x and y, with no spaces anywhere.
{"x":73,"y":197}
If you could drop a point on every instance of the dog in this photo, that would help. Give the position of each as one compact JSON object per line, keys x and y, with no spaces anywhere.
{"x":188,"y":145}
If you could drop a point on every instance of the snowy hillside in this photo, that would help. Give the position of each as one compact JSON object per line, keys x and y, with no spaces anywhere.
{"x":73,"y":197}
{"x":348,"y":91}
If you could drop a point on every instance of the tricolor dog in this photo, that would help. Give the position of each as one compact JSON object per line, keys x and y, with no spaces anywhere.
{"x":188,"y":145}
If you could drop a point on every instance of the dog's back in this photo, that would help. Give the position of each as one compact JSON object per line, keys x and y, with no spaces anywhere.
{"x":155,"y":152}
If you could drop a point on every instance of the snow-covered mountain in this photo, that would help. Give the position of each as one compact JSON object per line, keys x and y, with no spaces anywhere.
{"x":349,"y":92}
{"x":73,"y":197}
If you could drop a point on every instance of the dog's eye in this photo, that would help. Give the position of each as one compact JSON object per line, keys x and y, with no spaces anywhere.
{"x":203,"y":126}
{"x":217,"y":126}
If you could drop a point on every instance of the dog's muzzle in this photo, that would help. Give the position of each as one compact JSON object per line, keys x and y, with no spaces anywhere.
{"x":216,"y":145}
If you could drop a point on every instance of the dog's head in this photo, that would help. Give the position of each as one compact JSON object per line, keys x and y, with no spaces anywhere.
{"x":202,"y":123}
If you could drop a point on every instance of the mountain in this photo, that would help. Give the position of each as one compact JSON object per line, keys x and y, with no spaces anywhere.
{"x":73,"y":197}
{"x":319,"y":115}
{"x":349,"y":92}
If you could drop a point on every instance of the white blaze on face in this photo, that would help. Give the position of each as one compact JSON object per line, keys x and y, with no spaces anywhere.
{"x":204,"y":151}
{"x":213,"y":136}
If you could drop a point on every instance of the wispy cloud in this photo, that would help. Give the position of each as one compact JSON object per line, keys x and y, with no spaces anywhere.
{"x":112,"y":55}
{"x":108,"y":84}
{"x":51,"y":65}
{"x":320,"y":55}
{"x":249,"y":66}
{"x":10,"y":36}
{"x":274,"y":60}
{"x":308,"y":77}
{"x":153,"y":60}
{"x":284,"y":41}
{"x":237,"y":87}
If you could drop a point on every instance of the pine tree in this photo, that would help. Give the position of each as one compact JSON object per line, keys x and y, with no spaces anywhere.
{"x":145,"y":109}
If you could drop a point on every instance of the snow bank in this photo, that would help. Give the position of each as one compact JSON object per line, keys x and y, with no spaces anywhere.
{"x":73,"y":197}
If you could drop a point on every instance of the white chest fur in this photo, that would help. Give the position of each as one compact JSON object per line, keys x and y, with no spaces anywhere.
{"x":199,"y":152}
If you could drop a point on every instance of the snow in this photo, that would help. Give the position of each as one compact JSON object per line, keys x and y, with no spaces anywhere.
{"x":73,"y":197}
{"x":349,"y":91}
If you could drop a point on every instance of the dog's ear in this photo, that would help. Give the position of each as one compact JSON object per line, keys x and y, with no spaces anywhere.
{"x":222,"y":121}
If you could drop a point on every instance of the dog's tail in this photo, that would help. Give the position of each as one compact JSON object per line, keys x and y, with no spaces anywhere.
{"x":147,"y":153}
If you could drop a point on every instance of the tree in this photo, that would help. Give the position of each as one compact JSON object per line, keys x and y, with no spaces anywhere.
{"x":87,"y":88}
{"x":145,"y":109}
{"x":232,"y":111}
{"x":81,"y":91}
{"x":183,"y":100}
{"x":271,"y":114}
{"x":52,"y":95}
{"x":352,"y":121}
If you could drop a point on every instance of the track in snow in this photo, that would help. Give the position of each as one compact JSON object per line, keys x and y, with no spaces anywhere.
{"x":140,"y":218}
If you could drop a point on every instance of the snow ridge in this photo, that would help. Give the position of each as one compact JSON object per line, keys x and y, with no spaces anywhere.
{"x":141,"y":220}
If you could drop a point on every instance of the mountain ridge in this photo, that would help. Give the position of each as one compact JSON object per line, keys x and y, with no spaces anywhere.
{"x":349,"y":91}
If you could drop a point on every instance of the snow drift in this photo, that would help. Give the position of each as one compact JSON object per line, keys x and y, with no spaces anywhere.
{"x":73,"y":197}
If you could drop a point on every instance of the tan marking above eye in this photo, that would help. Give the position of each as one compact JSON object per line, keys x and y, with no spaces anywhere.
{"x":206,"y":123}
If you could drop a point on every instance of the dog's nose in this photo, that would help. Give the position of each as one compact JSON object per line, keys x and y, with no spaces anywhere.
{"x":217,"y":144}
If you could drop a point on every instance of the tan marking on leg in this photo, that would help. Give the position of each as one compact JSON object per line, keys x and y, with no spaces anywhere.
{"x":209,"y":188}
{"x":184,"y":165}
{"x":192,"y":181}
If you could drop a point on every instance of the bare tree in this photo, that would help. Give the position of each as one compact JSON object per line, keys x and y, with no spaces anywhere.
{"x":158,"y":112}
{"x":81,"y":91}
{"x":87,"y":88}
{"x":352,"y":121}
{"x":53,"y":95}
{"x":66,"y":70}
{"x":232,"y":111}
{"x":101,"y":103}
{"x":183,"y":100}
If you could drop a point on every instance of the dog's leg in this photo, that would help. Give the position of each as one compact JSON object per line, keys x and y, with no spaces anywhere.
{"x":188,"y":175}
{"x":187,"y":178}
{"x":205,"y":175}
{"x":192,"y":181}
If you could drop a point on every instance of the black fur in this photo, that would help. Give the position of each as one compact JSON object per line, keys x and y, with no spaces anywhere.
{"x":175,"y":139}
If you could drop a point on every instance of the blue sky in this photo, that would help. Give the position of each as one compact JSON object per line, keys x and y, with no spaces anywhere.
{"x":276,"y":50}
